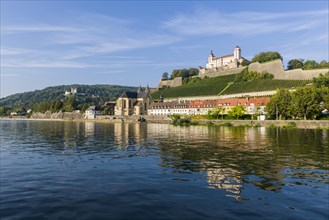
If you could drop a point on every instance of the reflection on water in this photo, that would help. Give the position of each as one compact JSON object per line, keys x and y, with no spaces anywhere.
{"x":232,"y":157}
{"x":199,"y":163}
{"x":226,"y":179}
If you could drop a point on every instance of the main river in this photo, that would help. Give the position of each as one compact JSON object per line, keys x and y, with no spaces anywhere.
{"x":87,"y":170}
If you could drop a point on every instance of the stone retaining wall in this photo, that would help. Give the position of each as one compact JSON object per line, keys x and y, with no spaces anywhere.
{"x":276,"y":68}
{"x":178,"y":81}
{"x":213,"y":73}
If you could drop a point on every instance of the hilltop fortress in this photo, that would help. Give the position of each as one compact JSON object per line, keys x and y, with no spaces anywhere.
{"x":225,"y":62}
{"x":232,"y":64}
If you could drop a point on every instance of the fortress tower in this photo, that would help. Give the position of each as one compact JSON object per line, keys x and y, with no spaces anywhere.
{"x":237,"y":52}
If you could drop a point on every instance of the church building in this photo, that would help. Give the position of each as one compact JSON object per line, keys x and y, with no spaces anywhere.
{"x":225,"y":62}
{"x":133,"y":103}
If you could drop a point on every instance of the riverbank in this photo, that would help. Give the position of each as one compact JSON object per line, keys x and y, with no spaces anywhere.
{"x":303,"y":124}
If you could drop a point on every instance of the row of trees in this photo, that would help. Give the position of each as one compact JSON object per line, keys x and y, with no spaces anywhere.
{"x":67,"y":105}
{"x":305,"y":102}
{"x":4,"y":110}
{"x":185,"y":73}
{"x":236,"y":112}
{"x":306,"y":65}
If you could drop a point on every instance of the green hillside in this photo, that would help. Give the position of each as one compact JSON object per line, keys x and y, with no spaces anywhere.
{"x":204,"y":87}
{"x":263,"y":85}
{"x":227,"y":85}
{"x":92,"y":94}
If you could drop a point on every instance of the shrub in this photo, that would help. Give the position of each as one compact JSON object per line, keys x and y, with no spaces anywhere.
{"x":290,"y":125}
{"x":266,"y":56}
{"x":227,"y":124}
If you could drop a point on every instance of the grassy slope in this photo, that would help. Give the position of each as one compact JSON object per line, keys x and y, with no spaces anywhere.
{"x":205,"y":87}
{"x":263,"y":85}
{"x":213,"y":86}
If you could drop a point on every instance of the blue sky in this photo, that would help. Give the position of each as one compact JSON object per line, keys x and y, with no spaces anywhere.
{"x":48,"y":43}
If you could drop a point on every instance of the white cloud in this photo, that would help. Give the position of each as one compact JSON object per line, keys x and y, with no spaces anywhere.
{"x":9,"y":75}
{"x":43,"y":64}
{"x":15,"y":51}
{"x":77,"y":43}
{"x":211,"y":22}
{"x":8,"y":29}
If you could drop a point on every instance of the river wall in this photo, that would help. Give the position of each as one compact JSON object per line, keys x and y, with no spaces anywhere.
{"x":308,"y":124}
{"x":276,"y":68}
{"x":57,"y":115}
{"x":312,"y":124}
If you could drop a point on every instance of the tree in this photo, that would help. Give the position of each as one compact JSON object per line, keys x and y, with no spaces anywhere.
{"x":266,"y":56}
{"x":215,"y":113}
{"x":4,"y":110}
{"x":84,"y":107}
{"x":280,"y":104}
{"x":236,"y":112}
{"x":56,"y":106}
{"x":193,"y":72}
{"x":165,"y":76}
{"x":69,"y":105}
{"x":185,"y":73}
{"x":295,"y":64}
{"x":306,"y":102}
{"x":324,"y":93}
{"x":310,"y":64}
{"x":324,"y":64}
{"x":244,"y":62}
{"x":322,"y":80}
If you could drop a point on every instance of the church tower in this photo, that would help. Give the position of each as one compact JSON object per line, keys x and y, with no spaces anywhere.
{"x":147,"y":89}
{"x":139,"y":89}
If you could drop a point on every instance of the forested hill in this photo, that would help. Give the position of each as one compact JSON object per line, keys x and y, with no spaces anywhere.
{"x":90,"y":94}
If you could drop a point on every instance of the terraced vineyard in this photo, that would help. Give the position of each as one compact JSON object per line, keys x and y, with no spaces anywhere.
{"x":264,"y":85}
{"x":205,"y":87}
{"x":213,"y":86}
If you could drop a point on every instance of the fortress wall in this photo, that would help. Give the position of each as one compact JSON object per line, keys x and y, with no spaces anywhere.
{"x":178,"y":81}
{"x":276,"y":68}
{"x":211,"y":73}
{"x":301,"y":74}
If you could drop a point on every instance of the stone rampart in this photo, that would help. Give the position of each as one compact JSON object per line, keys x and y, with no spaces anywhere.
{"x":213,"y":73}
{"x":276,"y":68}
{"x":178,"y":81}
{"x":302,"y":74}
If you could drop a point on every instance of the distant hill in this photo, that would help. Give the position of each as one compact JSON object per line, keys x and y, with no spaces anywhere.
{"x":90,"y":94}
{"x":224,"y":85}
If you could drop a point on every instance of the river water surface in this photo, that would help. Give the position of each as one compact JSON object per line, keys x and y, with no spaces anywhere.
{"x":87,"y":170}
